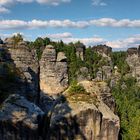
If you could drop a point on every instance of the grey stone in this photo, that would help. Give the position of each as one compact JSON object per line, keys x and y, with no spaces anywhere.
{"x":19,"y":119}
{"x":53,"y":72}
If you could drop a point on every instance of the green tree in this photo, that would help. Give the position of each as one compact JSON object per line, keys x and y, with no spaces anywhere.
{"x":17,"y":38}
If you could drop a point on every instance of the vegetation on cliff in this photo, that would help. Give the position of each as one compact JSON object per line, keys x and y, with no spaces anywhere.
{"x":126,"y":91}
{"x":127,"y":95}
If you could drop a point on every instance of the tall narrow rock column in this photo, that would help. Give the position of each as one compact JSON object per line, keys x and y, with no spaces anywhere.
{"x":53,"y":72}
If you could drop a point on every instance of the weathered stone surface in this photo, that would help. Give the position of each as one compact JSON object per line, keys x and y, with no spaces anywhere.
{"x":104,"y":73}
{"x":103,"y":50}
{"x":61,"y":57}
{"x":133,"y":61}
{"x":80,"y":50}
{"x":19,"y":119}
{"x":53,"y":72}
{"x":132,"y":51}
{"x":83,"y":74}
{"x":27,"y":65}
{"x":101,"y":90}
{"x":9,"y":42}
{"x":83,"y":120}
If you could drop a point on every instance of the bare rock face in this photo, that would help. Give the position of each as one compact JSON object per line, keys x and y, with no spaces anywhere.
{"x":80,"y":50}
{"x":101,"y":90}
{"x":104,"y":73}
{"x":24,"y":61}
{"x":85,"y":119}
{"x":83,"y":74}
{"x":133,"y":61}
{"x":53,"y":72}
{"x":132,"y":51}
{"x":19,"y":119}
{"x":103,"y":50}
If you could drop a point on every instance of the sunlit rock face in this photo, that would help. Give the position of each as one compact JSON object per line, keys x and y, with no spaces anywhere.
{"x":83,"y":120}
{"x":53,"y":72}
{"x":19,"y":119}
{"x":103,"y":50}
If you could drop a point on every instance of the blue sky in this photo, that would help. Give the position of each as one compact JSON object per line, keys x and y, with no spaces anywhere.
{"x":112,"y":22}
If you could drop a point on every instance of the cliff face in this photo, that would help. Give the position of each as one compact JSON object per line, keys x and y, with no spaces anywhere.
{"x":24,"y":61}
{"x":83,"y":117}
{"x":53,"y":72}
{"x":79,"y":116}
{"x":19,"y":119}
{"x":133,"y":60}
{"x":103,"y":50}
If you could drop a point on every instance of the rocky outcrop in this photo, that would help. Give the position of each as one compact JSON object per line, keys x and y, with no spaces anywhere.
{"x":104,"y":73}
{"x":80,"y":51}
{"x":133,"y":61}
{"x":83,"y":74}
{"x":87,"y":119}
{"x":53,"y":72}
{"x":103,"y":50}
{"x":83,"y":117}
{"x":132,"y":51}
{"x":24,"y":60}
{"x":20,"y":119}
{"x":100,"y":90}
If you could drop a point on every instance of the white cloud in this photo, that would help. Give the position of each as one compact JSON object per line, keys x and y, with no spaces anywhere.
{"x":4,"y":10}
{"x":133,"y":41}
{"x":98,"y":3}
{"x":34,"y":24}
{"x":68,"y":37}
{"x":60,"y":35}
{"x":104,"y":22}
{"x":24,"y":1}
{"x":52,"y":2}
{"x":49,"y":2}
{"x":6,"y":3}
{"x":12,"y":24}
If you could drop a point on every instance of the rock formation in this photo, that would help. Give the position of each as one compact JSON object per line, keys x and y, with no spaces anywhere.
{"x":83,"y":120}
{"x":19,"y":119}
{"x":25,"y":62}
{"x":133,"y":61}
{"x":53,"y":72}
{"x":85,"y":116}
{"x":103,"y":50}
{"x":132,"y":51}
{"x":81,"y":116}
{"x":83,"y":74}
{"x":80,"y":51}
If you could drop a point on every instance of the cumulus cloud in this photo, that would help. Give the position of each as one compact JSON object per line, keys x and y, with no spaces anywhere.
{"x":98,"y":3}
{"x":6,"y":3}
{"x":52,"y":2}
{"x":68,"y":37}
{"x":60,"y":35}
{"x":115,"y":23}
{"x":4,"y":10}
{"x":34,"y":24}
{"x":133,"y":41}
